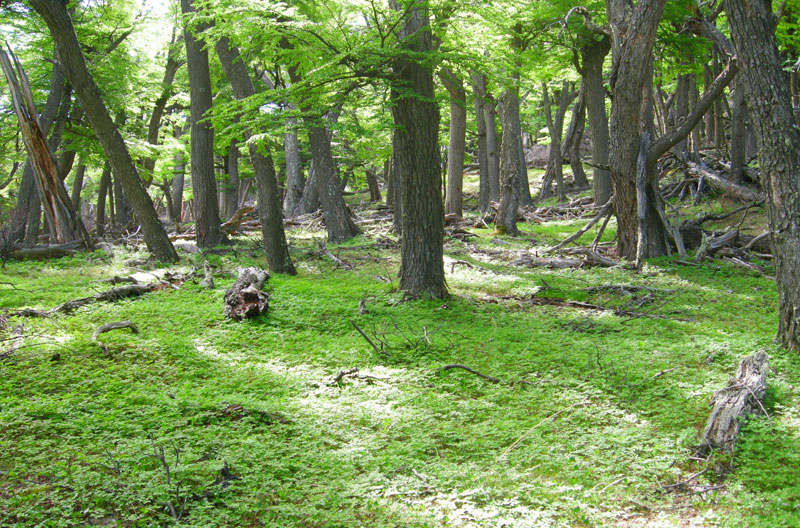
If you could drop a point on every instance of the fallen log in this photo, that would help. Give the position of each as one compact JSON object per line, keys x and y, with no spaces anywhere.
{"x":591,"y":259}
{"x":118,"y":325}
{"x":744,"y":395}
{"x":726,"y":186}
{"x":244,"y":299}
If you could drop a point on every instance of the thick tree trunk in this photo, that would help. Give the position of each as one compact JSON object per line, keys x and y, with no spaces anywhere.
{"x":269,"y":199}
{"x":294,"y":172}
{"x":634,"y":35}
{"x":416,"y":116}
{"x":510,"y":164}
{"x":458,"y":142}
{"x":479,"y":96}
{"x":55,"y":15}
{"x":204,"y":184}
{"x":770,"y":108}
{"x":592,"y":56}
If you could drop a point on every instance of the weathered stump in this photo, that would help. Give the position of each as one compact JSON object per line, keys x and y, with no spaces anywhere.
{"x":244,"y":298}
{"x":744,"y":395}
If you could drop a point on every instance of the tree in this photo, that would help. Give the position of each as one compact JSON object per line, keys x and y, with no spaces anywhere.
{"x":456,"y":146}
{"x":269,"y":200}
{"x":58,"y":21}
{"x":204,"y":183}
{"x":416,"y":117}
{"x":753,"y":32}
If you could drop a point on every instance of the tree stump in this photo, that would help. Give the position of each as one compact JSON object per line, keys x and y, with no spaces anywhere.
{"x":244,"y":299}
{"x":744,"y":395}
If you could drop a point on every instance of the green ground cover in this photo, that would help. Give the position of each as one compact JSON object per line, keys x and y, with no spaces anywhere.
{"x":580,"y":431}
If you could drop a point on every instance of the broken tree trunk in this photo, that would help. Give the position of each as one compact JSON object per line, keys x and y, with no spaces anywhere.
{"x":244,"y":299}
{"x":744,"y":395}
{"x":65,"y":224}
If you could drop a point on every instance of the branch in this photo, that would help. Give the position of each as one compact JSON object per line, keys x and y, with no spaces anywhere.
{"x":667,"y":141}
{"x":464,"y":367}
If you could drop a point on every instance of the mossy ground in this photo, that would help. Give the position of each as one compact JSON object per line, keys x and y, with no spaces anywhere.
{"x":579,"y":432}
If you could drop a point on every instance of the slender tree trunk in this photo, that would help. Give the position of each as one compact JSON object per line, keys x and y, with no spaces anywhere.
{"x":102,"y":193}
{"x":232,"y":187}
{"x":55,"y":15}
{"x":479,"y":96}
{"x":456,"y":147}
{"x":416,"y":116}
{"x":737,"y":143}
{"x":204,"y":184}
{"x":593,"y":56}
{"x":269,"y":199}
{"x":77,"y":186}
{"x":555,"y":125}
{"x":575,"y":138}
{"x":309,"y":201}
{"x":492,"y":148}
{"x":294,"y":172}
{"x":769,"y":101}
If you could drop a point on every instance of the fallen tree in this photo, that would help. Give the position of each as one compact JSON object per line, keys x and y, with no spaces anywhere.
{"x":744,"y":395}
{"x":244,"y":299}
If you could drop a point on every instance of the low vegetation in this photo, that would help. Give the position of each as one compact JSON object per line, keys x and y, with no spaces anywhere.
{"x":334,"y":408}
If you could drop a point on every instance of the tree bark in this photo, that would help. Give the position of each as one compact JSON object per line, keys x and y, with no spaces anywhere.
{"x":592,"y":57}
{"x":204,"y":184}
{"x":232,"y":187}
{"x":575,"y":139}
{"x":102,"y":193}
{"x":57,"y":19}
{"x":457,"y":144}
{"x":269,"y":199}
{"x":555,"y":125}
{"x":372,"y":183}
{"x":769,"y":102}
{"x":416,"y":116}
{"x":309,"y":201}
{"x":77,"y":186}
{"x":510,"y":163}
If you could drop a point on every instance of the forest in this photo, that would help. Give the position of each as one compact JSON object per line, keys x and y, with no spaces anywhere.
{"x":394,"y":263}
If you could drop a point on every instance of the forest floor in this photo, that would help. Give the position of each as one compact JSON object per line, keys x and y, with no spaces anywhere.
{"x":201,"y":421}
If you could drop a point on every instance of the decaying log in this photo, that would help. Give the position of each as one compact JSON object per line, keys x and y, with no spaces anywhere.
{"x":208,"y":276}
{"x":744,"y":395}
{"x":41,"y":252}
{"x":591,"y":259}
{"x":728,"y":187}
{"x":244,"y":298}
{"x":232,"y":225}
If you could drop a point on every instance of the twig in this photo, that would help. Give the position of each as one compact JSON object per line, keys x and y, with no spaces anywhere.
{"x":603,"y":211}
{"x":664,"y":372}
{"x":378,"y":350}
{"x":684,"y":482}
{"x":527,"y":433}
{"x":464,"y":367}
{"x":343,"y":373}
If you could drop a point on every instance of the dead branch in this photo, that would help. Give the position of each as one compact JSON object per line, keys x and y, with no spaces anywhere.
{"x":728,"y":187}
{"x":378,"y":350}
{"x":464,"y":367}
{"x":602,"y":212}
{"x":114,"y":326}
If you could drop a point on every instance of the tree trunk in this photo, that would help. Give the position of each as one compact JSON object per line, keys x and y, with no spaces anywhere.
{"x":416,"y":117}
{"x":593,"y":56}
{"x":55,"y":15}
{"x":575,"y":139}
{"x":769,"y":102}
{"x":77,"y":186}
{"x":634,"y":35}
{"x":294,"y":172}
{"x":458,"y":142}
{"x":510,"y":163}
{"x":232,"y":187}
{"x":65,"y":225}
{"x":372,"y":183}
{"x":204,"y":184}
{"x":737,"y":147}
{"x":269,"y":198}
{"x":555,"y":124}
{"x":492,"y":148}
{"x":154,"y":125}
{"x":309,"y":201}
{"x":102,"y":193}
{"x":479,"y":95}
